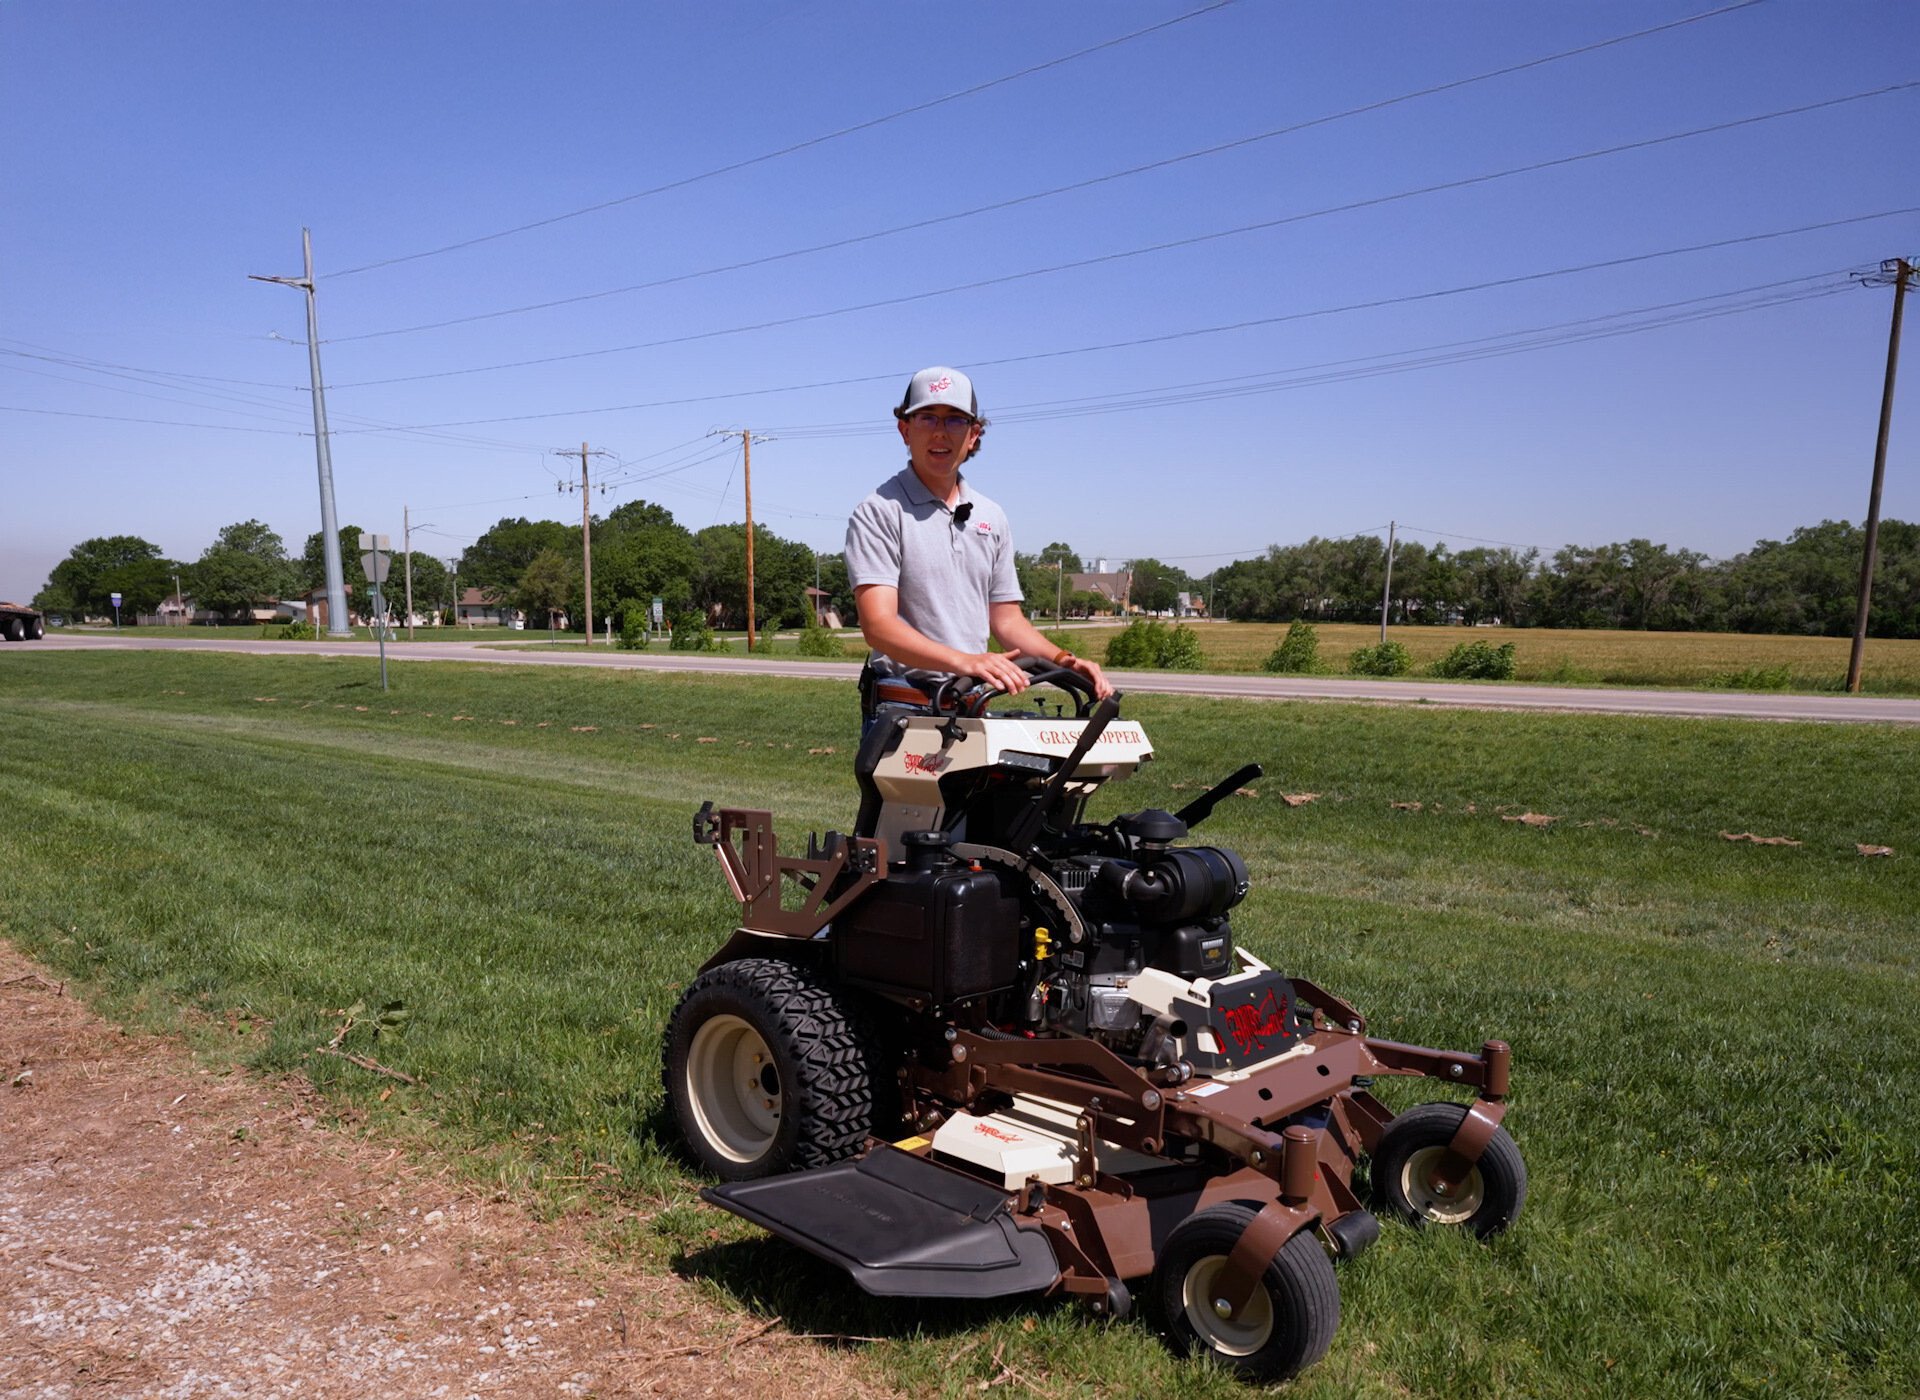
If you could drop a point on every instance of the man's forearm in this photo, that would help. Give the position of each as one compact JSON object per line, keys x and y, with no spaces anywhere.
{"x":894,"y":637}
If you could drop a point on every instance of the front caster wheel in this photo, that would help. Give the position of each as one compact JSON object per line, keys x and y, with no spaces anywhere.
{"x":767,"y":1071}
{"x":1406,"y":1173}
{"x":1288,"y":1323}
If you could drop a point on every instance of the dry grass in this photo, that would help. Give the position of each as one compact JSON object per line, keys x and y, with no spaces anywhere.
{"x":1578,"y":657}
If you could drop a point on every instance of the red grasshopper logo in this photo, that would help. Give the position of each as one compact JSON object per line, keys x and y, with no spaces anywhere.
{"x":1250,"y":1025}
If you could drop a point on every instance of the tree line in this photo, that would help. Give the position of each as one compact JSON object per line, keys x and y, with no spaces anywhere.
{"x":1805,"y":584}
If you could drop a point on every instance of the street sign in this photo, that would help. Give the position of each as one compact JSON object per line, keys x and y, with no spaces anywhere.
{"x":376,"y":558}
{"x":116,"y":599}
{"x":658,"y":606}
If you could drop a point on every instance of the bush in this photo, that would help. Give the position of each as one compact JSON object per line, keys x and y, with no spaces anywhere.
{"x":299,"y":632}
{"x":1756,"y":678}
{"x":691,"y":632}
{"x":1387,"y":659}
{"x":1299,"y":650}
{"x":1477,"y":661}
{"x":633,"y":626}
{"x":820,"y":641}
{"x":1150,"y":645}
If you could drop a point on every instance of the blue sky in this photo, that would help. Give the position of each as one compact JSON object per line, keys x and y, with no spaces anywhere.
{"x":158,"y":154}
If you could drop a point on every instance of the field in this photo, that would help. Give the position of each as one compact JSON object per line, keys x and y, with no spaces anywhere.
{"x":1713,"y":1044}
{"x":1566,"y":656}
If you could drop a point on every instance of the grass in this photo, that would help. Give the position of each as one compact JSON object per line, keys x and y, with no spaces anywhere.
{"x":1713,"y":1040}
{"x":1693,"y":660}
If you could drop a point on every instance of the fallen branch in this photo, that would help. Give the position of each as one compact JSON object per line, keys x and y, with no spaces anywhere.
{"x":57,"y":988}
{"x":365,"y":1063}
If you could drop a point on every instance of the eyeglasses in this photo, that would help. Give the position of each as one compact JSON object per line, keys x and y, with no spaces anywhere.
{"x":951,"y":422}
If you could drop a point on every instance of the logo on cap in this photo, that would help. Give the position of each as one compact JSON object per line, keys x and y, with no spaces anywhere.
{"x":940,"y":385}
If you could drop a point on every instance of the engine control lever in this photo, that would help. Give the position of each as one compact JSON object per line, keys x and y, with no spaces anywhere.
{"x":1202,"y":806}
{"x":1026,"y":826}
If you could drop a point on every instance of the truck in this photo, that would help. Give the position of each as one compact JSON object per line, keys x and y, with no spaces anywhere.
{"x":21,"y":624}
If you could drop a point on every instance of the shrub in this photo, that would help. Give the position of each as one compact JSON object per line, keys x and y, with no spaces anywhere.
{"x":1299,"y":650}
{"x":819,"y":641}
{"x":1756,"y":678}
{"x":1477,"y":661}
{"x":1387,"y":659}
{"x":299,"y":632}
{"x":1150,"y":645}
{"x":691,"y":632}
{"x":633,"y":627}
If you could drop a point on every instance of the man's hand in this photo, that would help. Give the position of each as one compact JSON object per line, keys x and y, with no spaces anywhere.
{"x":1000,"y":668}
{"x":1102,"y":687}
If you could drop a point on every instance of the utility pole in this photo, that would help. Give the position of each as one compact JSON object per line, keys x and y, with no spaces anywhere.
{"x":586,"y":542}
{"x":1898,"y":271}
{"x":329,"y":532}
{"x":586,"y":536}
{"x":1386,"y":592}
{"x":406,"y":547}
{"x":747,"y":439}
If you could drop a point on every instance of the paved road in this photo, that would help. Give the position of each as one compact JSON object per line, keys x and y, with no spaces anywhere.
{"x":1704,"y":703}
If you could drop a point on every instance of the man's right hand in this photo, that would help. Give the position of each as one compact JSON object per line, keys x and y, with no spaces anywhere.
{"x":999,"y":668}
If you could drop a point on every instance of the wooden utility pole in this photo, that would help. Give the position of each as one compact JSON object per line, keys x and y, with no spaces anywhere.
{"x":747,"y":439}
{"x":586,"y":542}
{"x":1386,"y":591}
{"x":746,"y":473}
{"x":1900,"y":272}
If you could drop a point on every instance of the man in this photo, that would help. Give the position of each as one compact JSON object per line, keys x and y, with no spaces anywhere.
{"x":931,"y":559}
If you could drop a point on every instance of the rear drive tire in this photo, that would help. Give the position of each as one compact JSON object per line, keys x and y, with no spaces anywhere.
{"x":767,"y":1071}
{"x":36,"y":629}
{"x":13,"y":629}
{"x":1287,"y":1325}
{"x":1414,"y":1147}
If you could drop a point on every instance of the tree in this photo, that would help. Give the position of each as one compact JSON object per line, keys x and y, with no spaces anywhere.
{"x":95,"y":569}
{"x":1156,"y":586}
{"x":639,"y":553}
{"x":495,"y":562}
{"x":312,"y":565}
{"x":246,"y":566}
{"x":546,"y":585}
{"x":782,"y":572}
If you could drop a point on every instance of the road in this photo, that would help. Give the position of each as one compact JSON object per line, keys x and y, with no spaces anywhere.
{"x":1710,"y":704}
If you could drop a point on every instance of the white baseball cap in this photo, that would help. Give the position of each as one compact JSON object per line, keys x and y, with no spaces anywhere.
{"x":939,"y":387}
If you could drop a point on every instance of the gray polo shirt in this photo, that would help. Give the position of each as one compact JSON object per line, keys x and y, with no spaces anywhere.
{"x":948,"y":573}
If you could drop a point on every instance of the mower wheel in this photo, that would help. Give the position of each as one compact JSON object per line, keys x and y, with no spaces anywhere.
{"x":1412,"y":1151}
{"x":767,"y":1070}
{"x":1288,"y":1323}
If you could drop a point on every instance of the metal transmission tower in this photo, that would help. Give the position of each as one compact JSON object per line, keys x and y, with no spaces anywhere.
{"x":1899,"y":273}
{"x":329,"y":531}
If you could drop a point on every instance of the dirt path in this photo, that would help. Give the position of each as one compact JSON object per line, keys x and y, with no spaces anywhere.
{"x":166,"y":1231}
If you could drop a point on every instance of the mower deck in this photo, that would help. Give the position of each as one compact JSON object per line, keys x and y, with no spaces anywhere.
{"x":901,"y":1225}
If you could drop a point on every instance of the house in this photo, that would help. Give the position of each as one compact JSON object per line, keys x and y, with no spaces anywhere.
{"x":1116,"y":588}
{"x":824,"y":614}
{"x":475,"y":611}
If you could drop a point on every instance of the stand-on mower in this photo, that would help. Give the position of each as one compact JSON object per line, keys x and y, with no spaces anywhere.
{"x":980,"y":1046}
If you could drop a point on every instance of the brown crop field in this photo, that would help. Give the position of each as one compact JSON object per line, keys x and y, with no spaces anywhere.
{"x":1692,"y":660}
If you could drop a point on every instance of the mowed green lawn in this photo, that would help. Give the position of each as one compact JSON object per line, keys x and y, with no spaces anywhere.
{"x":1715,"y":1053}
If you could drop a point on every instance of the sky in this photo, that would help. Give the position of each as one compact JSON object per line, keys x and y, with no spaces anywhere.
{"x":1226,"y":275}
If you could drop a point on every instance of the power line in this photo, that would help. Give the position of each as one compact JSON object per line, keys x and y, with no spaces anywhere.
{"x":1169,"y":245}
{"x":797,"y":146}
{"x":996,"y":206}
{"x":1285,"y":317}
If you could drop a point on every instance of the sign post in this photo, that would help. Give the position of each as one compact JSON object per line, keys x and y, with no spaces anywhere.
{"x":116,"y":612}
{"x":374,"y":560}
